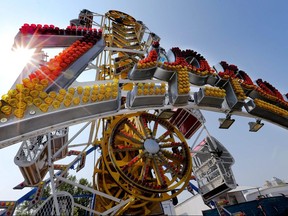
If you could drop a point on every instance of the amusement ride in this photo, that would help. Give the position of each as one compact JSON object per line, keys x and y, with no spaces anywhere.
{"x":139,"y":108}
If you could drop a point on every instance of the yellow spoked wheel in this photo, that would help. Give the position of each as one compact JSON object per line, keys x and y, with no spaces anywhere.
{"x":121,"y":17}
{"x":149,"y":154}
{"x":104,"y":182}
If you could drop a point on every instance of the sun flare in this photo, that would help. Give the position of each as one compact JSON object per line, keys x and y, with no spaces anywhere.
{"x":23,"y":56}
{"x":14,"y":62}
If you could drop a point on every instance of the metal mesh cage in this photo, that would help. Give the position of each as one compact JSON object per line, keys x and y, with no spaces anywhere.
{"x":65,"y":205}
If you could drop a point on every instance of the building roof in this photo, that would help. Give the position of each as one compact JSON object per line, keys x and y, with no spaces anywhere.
{"x":243,"y":188}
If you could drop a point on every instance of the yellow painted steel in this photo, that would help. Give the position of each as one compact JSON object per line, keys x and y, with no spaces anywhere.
{"x":148,"y":157}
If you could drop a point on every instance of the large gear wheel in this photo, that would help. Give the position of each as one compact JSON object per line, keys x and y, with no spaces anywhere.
{"x":150,"y":154}
{"x":103,"y":181}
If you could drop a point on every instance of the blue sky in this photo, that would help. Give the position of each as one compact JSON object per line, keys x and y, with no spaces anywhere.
{"x":250,"y":34}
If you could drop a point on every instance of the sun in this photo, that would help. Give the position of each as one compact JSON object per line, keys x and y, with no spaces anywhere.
{"x":23,"y":56}
{"x":13,"y":62}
